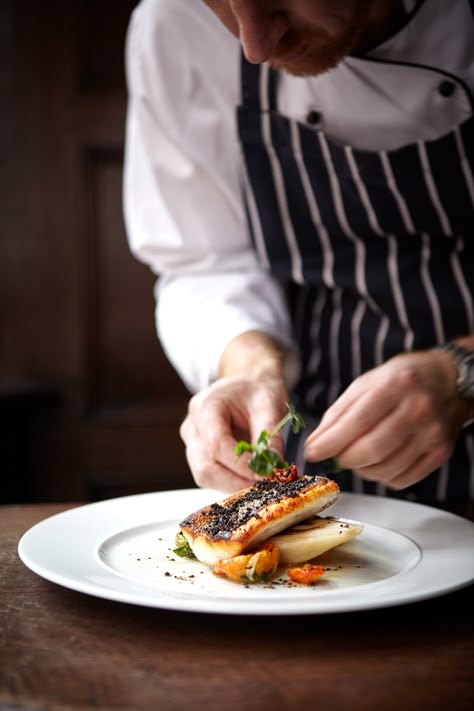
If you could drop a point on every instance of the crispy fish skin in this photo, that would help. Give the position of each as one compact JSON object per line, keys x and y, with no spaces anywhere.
{"x":249,"y":517}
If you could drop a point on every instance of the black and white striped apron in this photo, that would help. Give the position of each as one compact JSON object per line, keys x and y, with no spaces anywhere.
{"x":377,"y":250}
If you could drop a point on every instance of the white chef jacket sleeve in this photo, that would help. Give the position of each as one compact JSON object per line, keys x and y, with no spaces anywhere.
{"x":182,"y":201}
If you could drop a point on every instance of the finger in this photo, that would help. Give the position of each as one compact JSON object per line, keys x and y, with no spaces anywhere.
{"x":248,"y":425}
{"x":378,"y":390}
{"x":218,"y":477}
{"x":390,"y":440}
{"x":395,"y":443}
{"x":397,"y":462}
{"x":414,"y":427}
{"x":266,"y":416}
{"x":207,"y":470}
{"x":421,"y":468}
{"x":209,"y":428}
{"x":353,"y":424}
{"x":379,"y":458}
{"x":360,"y":390}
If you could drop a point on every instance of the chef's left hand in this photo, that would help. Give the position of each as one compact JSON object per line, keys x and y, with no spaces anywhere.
{"x":396,"y":423}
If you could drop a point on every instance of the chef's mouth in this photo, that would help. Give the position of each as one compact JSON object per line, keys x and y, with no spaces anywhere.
{"x":310,"y":55}
{"x":291,"y":55}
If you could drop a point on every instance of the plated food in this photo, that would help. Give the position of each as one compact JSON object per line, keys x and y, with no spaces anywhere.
{"x":249,"y":534}
{"x":313,"y":537}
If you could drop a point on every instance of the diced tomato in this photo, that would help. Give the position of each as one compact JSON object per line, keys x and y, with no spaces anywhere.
{"x":286,"y":474}
{"x":306,"y":575}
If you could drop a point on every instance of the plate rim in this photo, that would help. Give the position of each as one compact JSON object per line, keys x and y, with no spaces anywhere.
{"x":106,"y":585}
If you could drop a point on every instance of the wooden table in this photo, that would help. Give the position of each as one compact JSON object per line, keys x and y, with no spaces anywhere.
{"x":64,"y":650}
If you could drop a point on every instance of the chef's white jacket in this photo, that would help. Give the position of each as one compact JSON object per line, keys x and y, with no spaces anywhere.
{"x":183,"y":203}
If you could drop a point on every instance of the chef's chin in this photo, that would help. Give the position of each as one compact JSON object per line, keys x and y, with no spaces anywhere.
{"x":313,"y":63}
{"x":317,"y":57}
{"x":303,"y":69}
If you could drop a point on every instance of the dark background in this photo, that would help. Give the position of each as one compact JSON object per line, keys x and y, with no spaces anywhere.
{"x":89,"y":406}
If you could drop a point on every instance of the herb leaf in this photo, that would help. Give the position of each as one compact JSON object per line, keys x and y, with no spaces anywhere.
{"x":331,"y":465}
{"x":255,"y":578}
{"x":264,"y":460}
{"x":242,"y":447}
{"x":183,"y":548}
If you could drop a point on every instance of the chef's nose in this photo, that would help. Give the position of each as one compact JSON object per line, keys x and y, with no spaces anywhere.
{"x":261,"y":26}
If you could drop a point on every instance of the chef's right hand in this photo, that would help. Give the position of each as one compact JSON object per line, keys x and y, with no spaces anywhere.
{"x":231,"y":409}
{"x":249,"y":396}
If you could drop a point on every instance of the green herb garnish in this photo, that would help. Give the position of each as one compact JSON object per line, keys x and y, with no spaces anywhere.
{"x":255,"y":578}
{"x":183,"y":549}
{"x":331,"y":465}
{"x":264,"y":460}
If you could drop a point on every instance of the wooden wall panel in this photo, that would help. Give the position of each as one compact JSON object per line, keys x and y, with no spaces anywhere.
{"x":100,"y":45}
{"x":125,"y":361}
{"x":77,"y":314}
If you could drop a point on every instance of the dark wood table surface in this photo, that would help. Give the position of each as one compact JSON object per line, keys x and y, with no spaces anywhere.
{"x":65,"y":650}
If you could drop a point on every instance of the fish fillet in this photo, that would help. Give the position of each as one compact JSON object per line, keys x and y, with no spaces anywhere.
{"x":251,"y":516}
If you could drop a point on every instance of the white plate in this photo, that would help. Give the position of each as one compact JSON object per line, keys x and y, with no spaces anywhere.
{"x":121,"y":549}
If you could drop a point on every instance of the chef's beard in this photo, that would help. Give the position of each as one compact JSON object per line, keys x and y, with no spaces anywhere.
{"x":323,"y":51}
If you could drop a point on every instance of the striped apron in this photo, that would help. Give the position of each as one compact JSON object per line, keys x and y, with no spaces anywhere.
{"x":377,"y":251}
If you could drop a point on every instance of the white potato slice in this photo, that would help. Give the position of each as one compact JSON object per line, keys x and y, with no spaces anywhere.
{"x":314,"y":536}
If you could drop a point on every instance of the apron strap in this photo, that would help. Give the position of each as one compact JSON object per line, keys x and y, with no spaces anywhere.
{"x":259,"y":86}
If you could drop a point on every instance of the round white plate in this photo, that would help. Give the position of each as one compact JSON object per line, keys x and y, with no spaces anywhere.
{"x":122,"y":549}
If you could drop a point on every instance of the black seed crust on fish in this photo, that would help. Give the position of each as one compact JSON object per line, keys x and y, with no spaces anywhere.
{"x":220,"y":520}
{"x":247,"y":518}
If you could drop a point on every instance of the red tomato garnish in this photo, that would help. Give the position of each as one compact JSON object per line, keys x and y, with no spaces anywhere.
{"x":286,"y":474}
{"x":306,"y":575}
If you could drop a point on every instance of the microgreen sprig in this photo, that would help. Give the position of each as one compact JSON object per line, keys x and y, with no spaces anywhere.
{"x":264,"y":460}
{"x":183,"y":549}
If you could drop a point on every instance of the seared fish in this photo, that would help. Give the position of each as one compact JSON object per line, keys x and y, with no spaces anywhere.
{"x":249,"y":517}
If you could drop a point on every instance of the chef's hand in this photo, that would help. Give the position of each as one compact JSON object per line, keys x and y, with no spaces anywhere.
{"x":249,"y":396}
{"x":396,"y":423}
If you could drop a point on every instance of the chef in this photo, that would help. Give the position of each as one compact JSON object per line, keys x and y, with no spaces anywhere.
{"x":300,"y":175}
